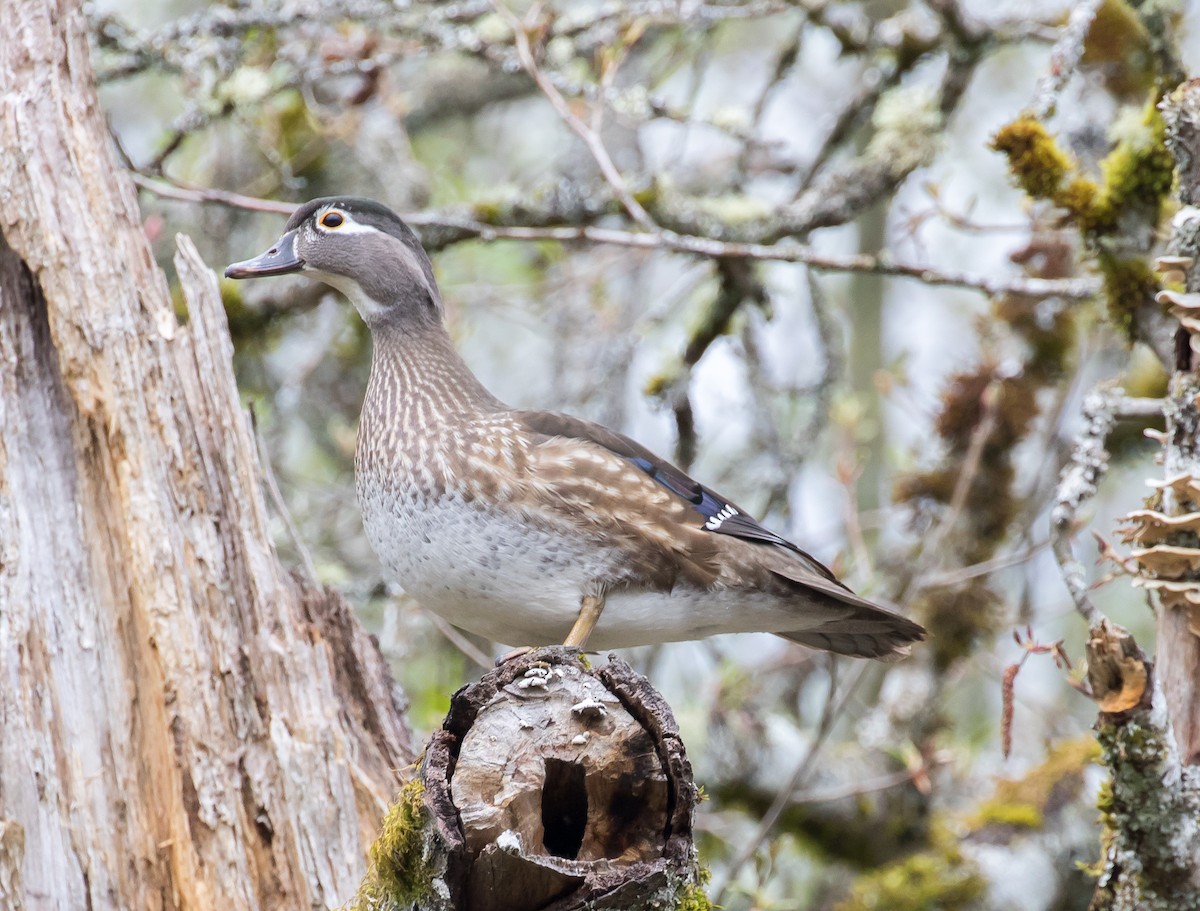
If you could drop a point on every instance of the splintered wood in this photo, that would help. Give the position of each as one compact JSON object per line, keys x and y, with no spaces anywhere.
{"x":559,"y":786}
{"x":183,"y":723}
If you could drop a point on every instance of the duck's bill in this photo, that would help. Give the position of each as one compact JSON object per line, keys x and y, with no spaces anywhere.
{"x":281,"y":259}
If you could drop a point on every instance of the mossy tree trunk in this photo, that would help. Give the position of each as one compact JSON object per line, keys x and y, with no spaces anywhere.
{"x":1151,"y":807}
{"x":183,"y":724}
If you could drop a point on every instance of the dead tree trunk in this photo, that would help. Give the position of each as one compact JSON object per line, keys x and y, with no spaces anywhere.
{"x":551,"y":787}
{"x":182,"y":723}
{"x":1149,"y":725}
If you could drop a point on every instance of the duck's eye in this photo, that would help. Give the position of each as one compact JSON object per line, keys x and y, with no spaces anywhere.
{"x":331,"y":220}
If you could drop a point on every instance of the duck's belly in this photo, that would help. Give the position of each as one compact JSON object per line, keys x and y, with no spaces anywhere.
{"x":482,"y":571}
{"x":518,"y":584}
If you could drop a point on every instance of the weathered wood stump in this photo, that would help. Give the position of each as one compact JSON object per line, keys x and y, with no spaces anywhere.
{"x":551,"y":786}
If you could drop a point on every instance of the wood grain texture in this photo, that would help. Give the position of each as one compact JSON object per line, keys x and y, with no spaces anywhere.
{"x":557,"y":787}
{"x":185,"y":723}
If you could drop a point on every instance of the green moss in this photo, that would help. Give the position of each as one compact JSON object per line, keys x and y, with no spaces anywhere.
{"x":1104,"y":802}
{"x":1115,"y":28}
{"x":648,"y":195}
{"x":940,"y":879}
{"x":491,"y":211}
{"x":179,"y":304}
{"x":657,"y":385}
{"x":1144,"y":820}
{"x":1119,"y":49}
{"x":1016,"y":815}
{"x":1034,"y":158}
{"x":691,"y":896}
{"x":1078,"y":197}
{"x":733,"y":208}
{"x":399,"y":875}
{"x":1043,"y":170}
{"x":1136,"y":180}
{"x":1129,"y":283}
{"x":1023,"y":802}
{"x":1137,"y":174}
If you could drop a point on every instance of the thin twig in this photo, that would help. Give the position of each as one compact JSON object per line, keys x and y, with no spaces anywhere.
{"x":855,"y":789}
{"x":954,"y":577}
{"x":1064,"y":58}
{"x":589,"y":136}
{"x":460,"y":642}
{"x":980,"y":434}
{"x":173,"y":189}
{"x":1073,"y":289}
{"x":834,"y":705}
{"x":268,"y":476}
{"x":1130,"y":407}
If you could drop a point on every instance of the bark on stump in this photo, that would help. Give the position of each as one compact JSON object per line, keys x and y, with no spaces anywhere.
{"x":550,"y":786}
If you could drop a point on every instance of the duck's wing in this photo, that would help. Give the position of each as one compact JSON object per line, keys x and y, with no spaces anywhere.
{"x":702,"y":535}
{"x":713,"y":513}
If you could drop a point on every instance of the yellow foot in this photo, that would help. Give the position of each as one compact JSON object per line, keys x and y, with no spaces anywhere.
{"x":590,"y":610}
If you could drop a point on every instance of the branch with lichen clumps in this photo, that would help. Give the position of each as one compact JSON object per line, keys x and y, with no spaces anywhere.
{"x":1116,"y":216}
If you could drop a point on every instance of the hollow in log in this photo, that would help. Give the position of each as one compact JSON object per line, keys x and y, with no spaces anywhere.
{"x":551,"y":786}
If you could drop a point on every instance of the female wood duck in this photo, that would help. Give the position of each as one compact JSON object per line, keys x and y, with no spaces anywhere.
{"x":530,"y":527}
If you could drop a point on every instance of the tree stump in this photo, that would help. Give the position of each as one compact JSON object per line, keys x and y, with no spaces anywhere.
{"x":550,"y":786}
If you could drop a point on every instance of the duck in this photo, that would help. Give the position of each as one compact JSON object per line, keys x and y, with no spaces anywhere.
{"x":531,"y":527}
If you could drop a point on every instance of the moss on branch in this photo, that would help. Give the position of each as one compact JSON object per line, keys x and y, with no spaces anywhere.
{"x":939,"y":879}
{"x":1113,"y":215}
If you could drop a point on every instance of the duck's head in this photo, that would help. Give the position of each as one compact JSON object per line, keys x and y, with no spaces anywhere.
{"x":363,"y":249}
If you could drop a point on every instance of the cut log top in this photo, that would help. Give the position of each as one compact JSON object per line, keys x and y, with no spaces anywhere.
{"x":551,"y":786}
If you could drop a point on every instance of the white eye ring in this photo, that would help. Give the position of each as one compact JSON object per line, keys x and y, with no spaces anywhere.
{"x":332,"y":220}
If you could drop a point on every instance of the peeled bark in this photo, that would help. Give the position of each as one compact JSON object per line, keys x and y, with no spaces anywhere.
{"x":184,"y":723}
{"x":551,"y":787}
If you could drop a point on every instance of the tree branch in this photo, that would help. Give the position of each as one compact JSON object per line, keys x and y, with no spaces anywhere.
{"x":456,"y":229}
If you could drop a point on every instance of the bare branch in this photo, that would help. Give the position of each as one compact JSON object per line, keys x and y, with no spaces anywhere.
{"x":182,"y":193}
{"x":954,"y":577}
{"x":1064,"y":58}
{"x":459,"y":641}
{"x":1089,"y":461}
{"x":462,"y":228}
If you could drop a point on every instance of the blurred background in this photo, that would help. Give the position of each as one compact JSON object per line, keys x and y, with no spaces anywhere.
{"x":908,"y":430}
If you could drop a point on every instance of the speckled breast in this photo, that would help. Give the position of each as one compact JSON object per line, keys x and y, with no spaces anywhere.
{"x":475,"y":560}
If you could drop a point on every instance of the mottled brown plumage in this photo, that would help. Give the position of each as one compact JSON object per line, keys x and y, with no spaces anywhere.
{"x":506,"y":521}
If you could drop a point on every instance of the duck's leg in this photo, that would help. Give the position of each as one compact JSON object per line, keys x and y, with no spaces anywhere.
{"x":590,"y":609}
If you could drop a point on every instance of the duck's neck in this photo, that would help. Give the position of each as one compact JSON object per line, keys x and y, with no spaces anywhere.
{"x":419,"y":380}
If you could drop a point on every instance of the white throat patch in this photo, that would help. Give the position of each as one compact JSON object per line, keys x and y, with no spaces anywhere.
{"x":366,"y":305}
